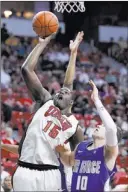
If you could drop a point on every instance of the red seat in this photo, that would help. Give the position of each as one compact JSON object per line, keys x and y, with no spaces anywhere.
{"x":122,"y":161}
{"x":10,"y":167}
{"x":13,"y":157}
{"x":120,"y":178}
{"x":118,"y":160}
{"x":17,"y":116}
{"x":78,"y":116}
{"x":88,"y":117}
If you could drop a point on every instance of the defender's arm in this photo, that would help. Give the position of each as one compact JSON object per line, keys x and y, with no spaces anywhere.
{"x":111,"y":148}
{"x":10,"y":148}
{"x":67,"y":157}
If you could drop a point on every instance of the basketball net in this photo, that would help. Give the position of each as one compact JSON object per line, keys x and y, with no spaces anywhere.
{"x":61,"y":6}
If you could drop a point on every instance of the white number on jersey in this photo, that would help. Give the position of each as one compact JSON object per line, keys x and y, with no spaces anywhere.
{"x":81,"y":183}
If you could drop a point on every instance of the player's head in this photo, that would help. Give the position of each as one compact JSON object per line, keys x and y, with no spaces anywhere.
{"x":99,"y":132}
{"x":7,"y":186}
{"x":63,"y":98}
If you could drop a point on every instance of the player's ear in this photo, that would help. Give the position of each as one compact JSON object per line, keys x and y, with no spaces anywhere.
{"x":71,"y":102}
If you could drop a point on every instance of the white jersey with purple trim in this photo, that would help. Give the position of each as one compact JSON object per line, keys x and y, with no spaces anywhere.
{"x":47,"y":129}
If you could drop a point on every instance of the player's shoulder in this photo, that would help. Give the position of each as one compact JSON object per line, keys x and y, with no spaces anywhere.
{"x":72,"y":118}
{"x":83,"y":145}
{"x":49,"y":101}
{"x":36,"y":106}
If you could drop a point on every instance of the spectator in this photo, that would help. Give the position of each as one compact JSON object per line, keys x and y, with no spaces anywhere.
{"x":63,"y":56}
{"x":4,"y":33}
{"x":124,"y":126}
{"x":98,"y":81}
{"x":6,"y":112}
{"x":76,"y":84}
{"x":21,"y":50}
{"x":110,"y":45}
{"x":83,"y":76}
{"x":5,"y":77}
{"x":54,"y":85}
{"x":4,"y":173}
{"x":7,"y":186}
{"x":79,"y":105}
{"x":52,"y":55}
{"x":122,"y":43}
{"x":9,"y":136}
{"x":110,"y":78}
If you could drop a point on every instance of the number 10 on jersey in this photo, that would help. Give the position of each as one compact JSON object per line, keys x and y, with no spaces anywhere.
{"x":81,"y":183}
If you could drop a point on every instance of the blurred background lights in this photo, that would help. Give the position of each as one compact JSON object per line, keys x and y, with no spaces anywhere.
{"x":18,"y":14}
{"x":28,"y":15}
{"x":7,"y":13}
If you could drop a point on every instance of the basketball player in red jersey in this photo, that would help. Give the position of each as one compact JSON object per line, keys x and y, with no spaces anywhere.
{"x":52,"y":124}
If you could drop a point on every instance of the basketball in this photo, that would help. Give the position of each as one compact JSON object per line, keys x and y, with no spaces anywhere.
{"x":45,"y":23}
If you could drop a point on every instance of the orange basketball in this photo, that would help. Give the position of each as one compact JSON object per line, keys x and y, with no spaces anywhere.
{"x":45,"y":23}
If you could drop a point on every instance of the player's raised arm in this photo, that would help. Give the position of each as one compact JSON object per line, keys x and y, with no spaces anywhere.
{"x":10,"y":148}
{"x":111,"y":148}
{"x":70,"y":72}
{"x":38,"y":93}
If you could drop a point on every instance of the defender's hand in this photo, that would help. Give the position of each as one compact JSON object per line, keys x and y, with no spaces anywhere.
{"x":61,"y":148}
{"x":94,"y":92}
{"x":75,"y":44}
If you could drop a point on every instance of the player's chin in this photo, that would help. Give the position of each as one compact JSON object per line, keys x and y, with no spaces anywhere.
{"x":9,"y":186}
{"x":95,"y":135}
{"x":59,"y":104}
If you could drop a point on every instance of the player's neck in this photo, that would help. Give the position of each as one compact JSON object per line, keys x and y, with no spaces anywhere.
{"x":98,"y":143}
{"x":66,"y":111}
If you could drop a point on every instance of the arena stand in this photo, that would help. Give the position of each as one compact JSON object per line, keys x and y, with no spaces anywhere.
{"x":91,"y":64}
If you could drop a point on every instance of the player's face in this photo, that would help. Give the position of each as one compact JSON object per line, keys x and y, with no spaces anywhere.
{"x":7,"y":183}
{"x":99,"y":132}
{"x":63,"y":99}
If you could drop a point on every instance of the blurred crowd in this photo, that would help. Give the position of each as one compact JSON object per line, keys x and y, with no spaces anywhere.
{"x":110,"y":77}
{"x":119,"y":50}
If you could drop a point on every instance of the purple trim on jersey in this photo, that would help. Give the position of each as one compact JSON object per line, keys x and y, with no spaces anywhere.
{"x":90,"y":172}
{"x":63,"y":177}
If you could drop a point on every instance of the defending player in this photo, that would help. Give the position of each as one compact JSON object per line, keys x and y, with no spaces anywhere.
{"x":14,"y":149}
{"x":94,"y":162}
{"x":51,"y":125}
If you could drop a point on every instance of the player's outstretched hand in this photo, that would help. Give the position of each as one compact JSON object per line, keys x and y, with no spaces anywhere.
{"x":94,"y":92}
{"x":47,"y":39}
{"x":61,"y":148}
{"x":75,"y":44}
